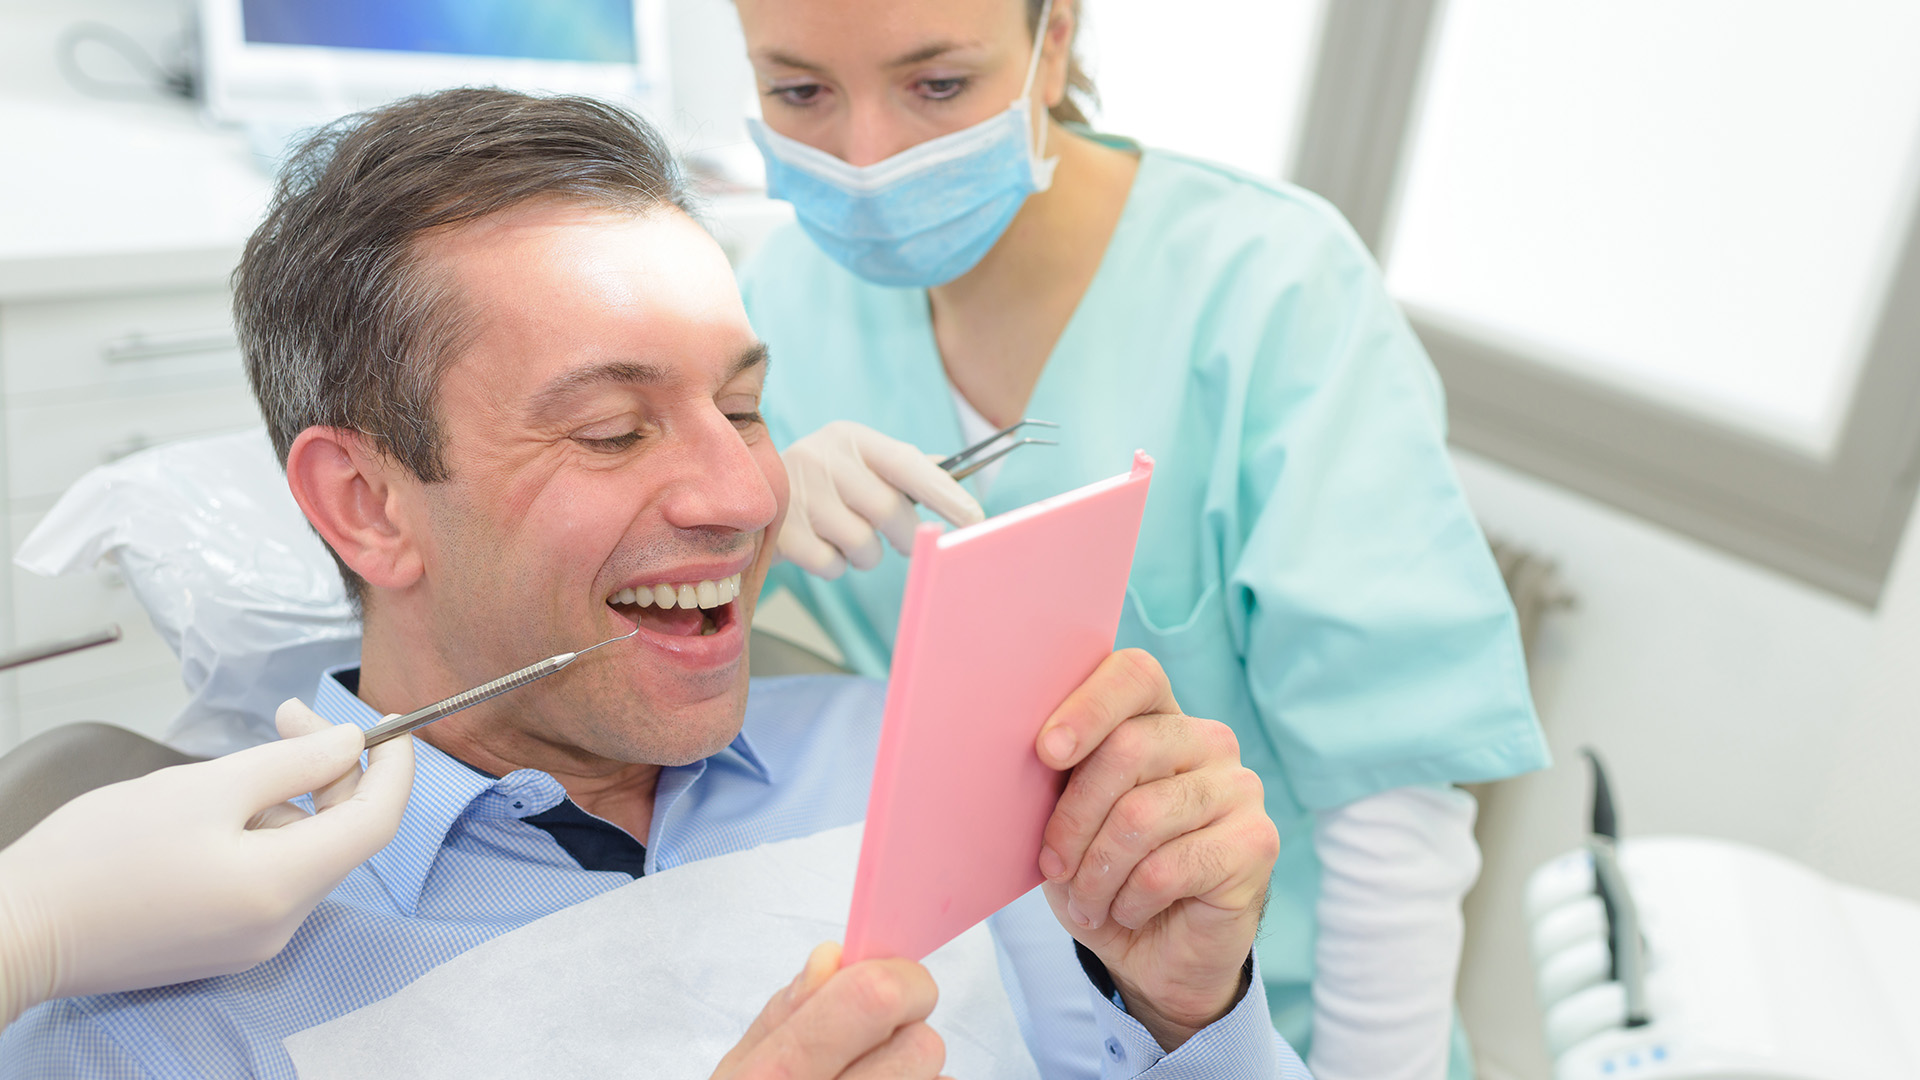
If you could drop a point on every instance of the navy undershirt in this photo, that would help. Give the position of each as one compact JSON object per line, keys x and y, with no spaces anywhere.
{"x":593,"y":843}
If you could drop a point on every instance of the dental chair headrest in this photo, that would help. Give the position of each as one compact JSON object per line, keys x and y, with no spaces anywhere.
{"x":214,"y":547}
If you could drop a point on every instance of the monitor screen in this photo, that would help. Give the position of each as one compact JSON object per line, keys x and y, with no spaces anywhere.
{"x":600,"y":31}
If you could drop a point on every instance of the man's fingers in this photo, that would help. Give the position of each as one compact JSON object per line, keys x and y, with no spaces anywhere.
{"x":1225,"y":867}
{"x":1142,"y":750}
{"x":1140,"y":823}
{"x":915,"y":1052}
{"x":1127,"y":684}
{"x":820,"y":965}
{"x":854,"y":1011}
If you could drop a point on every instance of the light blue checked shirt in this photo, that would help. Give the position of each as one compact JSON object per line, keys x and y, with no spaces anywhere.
{"x":465,"y":868}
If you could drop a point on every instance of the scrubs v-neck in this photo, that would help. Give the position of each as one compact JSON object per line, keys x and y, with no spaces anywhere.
{"x":1307,"y":572}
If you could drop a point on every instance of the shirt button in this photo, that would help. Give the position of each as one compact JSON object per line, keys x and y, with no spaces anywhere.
{"x":519,"y":806}
{"x":1114,"y":1050}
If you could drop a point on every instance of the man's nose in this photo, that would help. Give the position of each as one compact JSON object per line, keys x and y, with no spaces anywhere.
{"x":719,"y":482}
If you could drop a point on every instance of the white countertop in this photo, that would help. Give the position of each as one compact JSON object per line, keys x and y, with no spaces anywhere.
{"x":100,"y":196}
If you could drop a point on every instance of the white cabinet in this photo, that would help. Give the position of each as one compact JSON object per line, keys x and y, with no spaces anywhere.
{"x":119,"y":225}
{"x":85,"y":380}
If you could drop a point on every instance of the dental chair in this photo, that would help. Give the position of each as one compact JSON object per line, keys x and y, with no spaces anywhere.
{"x":46,"y":771}
{"x":212,"y":545}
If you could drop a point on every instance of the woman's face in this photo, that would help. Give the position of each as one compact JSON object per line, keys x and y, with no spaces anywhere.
{"x":865,"y":79}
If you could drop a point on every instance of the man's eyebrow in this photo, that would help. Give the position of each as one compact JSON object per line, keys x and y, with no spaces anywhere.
{"x":554,"y":394}
{"x":551,"y":397}
{"x":754,"y":356}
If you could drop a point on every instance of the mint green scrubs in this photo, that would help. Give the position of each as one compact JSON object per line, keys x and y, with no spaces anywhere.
{"x":1307,"y":571}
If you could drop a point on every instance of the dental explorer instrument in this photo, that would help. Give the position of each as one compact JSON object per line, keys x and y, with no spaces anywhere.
{"x":960,"y":465}
{"x":396,"y":726}
{"x":46,"y":651}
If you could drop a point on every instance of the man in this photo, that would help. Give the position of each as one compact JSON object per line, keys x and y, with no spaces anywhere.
{"x":515,"y":392}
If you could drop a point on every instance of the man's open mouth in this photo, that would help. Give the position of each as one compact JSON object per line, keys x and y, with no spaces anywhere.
{"x":680,"y":609}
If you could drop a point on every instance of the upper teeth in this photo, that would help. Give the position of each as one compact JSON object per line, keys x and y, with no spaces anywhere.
{"x":698,"y":594}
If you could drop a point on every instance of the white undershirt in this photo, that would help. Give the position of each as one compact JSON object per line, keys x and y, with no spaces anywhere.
{"x":1394,"y":868}
{"x":973,"y":428}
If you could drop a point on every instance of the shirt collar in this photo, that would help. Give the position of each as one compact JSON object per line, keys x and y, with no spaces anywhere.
{"x":445,"y":789}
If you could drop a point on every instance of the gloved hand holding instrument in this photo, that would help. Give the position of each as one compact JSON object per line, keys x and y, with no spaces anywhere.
{"x":195,"y":870}
{"x":851,"y":485}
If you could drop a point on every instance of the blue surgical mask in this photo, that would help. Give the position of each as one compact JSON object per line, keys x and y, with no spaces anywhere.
{"x":925,"y":215}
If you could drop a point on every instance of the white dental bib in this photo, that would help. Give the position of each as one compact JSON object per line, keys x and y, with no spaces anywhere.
{"x":658,"y":978}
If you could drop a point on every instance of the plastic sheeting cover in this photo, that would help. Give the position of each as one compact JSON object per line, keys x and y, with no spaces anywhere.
{"x":214,"y":547}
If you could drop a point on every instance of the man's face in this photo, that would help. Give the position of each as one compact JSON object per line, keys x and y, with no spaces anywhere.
{"x":602,"y":434}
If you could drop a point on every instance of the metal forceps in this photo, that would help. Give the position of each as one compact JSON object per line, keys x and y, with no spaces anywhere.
{"x":968,"y":461}
{"x":395,"y":726}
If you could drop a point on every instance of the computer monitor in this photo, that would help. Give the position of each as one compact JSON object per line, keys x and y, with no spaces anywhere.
{"x":278,"y":62}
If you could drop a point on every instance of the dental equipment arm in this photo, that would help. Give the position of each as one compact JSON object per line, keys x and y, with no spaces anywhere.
{"x":192,"y":871}
{"x":1394,"y":868}
{"x":33,"y":654}
{"x":851,"y":485}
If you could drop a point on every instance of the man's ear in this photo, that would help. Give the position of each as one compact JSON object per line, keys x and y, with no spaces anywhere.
{"x":352,"y":494}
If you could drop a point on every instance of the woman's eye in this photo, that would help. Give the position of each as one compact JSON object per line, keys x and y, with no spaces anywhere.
{"x":941,"y":89}
{"x":801,"y":95}
{"x":746,"y":419}
{"x":611,"y":444}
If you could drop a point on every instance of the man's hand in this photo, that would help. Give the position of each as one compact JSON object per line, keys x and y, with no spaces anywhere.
{"x":866,"y":1022}
{"x":1158,"y":853}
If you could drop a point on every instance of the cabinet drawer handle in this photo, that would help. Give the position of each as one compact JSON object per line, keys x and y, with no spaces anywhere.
{"x":137,"y":346}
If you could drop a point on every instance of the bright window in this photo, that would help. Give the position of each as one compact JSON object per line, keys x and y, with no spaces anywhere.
{"x":1696,"y":200}
{"x":1223,"y":80}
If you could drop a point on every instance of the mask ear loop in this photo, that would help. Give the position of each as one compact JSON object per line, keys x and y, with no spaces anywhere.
{"x":1033,"y":69}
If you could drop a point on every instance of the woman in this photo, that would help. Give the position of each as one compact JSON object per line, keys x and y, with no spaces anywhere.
{"x":969,"y":254}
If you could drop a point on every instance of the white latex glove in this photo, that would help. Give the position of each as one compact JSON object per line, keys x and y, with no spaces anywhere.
{"x":1393,"y":870}
{"x":851,"y":485}
{"x":196,"y":870}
